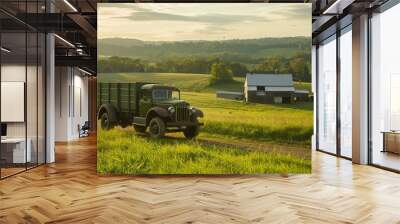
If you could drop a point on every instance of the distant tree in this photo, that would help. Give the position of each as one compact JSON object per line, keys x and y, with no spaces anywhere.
{"x":300,"y":68}
{"x":120,"y":64}
{"x":238,"y":69}
{"x":220,"y":72}
{"x":273,"y":64}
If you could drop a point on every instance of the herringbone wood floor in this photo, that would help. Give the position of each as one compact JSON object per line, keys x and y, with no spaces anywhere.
{"x":70,"y":191}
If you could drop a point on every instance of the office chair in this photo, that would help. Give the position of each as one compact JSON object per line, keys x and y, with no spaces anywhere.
{"x":84,"y":130}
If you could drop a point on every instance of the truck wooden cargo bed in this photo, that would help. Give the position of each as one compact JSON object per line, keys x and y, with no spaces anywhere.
{"x":124,"y":97}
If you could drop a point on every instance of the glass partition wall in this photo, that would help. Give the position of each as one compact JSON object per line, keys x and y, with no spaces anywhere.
{"x":345,"y":108}
{"x":327,"y":95}
{"x":22,"y":107}
{"x":385,"y":89}
{"x":334,"y":94}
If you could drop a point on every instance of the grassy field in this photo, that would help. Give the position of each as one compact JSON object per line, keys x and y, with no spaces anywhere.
{"x":290,"y":124}
{"x":122,"y":151}
{"x":260,"y":126}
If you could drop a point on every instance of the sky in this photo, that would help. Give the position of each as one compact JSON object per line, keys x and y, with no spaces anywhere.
{"x":200,"y":21}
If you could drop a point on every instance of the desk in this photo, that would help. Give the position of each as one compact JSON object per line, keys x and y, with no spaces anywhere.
{"x":13,"y":150}
{"x":391,"y":141}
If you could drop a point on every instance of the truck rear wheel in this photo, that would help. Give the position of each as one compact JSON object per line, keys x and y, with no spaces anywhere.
{"x":106,"y":122}
{"x":157,"y":127}
{"x":140,"y":129}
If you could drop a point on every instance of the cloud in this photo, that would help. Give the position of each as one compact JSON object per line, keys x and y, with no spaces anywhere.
{"x":212,"y":30}
{"x":204,"y":21}
{"x":210,"y":18}
{"x":305,"y":12}
{"x":121,"y":6}
{"x":298,"y":11}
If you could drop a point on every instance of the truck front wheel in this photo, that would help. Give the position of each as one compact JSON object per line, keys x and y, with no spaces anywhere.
{"x":140,"y":129}
{"x":191,"y":132}
{"x":106,"y":122}
{"x":156,"y":127}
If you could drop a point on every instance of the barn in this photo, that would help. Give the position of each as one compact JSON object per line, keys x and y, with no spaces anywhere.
{"x":269,"y":88}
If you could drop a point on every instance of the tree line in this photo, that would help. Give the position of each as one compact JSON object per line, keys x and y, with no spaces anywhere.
{"x":243,"y":51}
{"x":299,"y":65}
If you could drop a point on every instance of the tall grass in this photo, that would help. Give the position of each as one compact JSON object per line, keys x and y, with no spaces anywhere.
{"x":123,"y":152}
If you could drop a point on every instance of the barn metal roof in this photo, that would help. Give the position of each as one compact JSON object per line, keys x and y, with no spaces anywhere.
{"x":269,"y":80}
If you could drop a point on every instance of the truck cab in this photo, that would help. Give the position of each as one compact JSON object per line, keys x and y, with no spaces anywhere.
{"x":162,"y":110}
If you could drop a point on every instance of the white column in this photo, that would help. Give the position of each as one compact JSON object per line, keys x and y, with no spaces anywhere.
{"x":62,"y":103}
{"x":50,"y":94}
{"x":360,"y":90}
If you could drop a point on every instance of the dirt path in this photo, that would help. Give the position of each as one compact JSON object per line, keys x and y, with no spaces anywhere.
{"x":259,"y":146}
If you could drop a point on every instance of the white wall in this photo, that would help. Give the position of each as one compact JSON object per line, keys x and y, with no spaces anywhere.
{"x":71,"y":87}
{"x":62,"y":82}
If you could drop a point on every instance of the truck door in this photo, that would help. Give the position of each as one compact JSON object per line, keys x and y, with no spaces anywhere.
{"x":145,"y":103}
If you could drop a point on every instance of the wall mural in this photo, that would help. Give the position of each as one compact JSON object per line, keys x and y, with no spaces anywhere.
{"x":179,"y":89}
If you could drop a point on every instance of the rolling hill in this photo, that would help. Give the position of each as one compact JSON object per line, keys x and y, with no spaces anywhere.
{"x":240,"y":50}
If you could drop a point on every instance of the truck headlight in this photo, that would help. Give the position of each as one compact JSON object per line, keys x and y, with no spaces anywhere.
{"x":192,"y":109}
{"x":171,"y":109}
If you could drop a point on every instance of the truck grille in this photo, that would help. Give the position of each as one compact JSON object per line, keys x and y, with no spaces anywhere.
{"x":182,"y":113}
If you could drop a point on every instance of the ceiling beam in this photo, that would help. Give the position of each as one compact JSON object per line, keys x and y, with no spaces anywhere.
{"x":84,"y":24}
{"x":77,"y":61}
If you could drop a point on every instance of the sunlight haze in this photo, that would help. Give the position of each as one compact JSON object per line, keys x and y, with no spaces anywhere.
{"x":199,"y":21}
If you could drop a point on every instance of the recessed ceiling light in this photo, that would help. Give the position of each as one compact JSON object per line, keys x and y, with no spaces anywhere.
{"x":64,"y":40}
{"x":337,"y":7}
{"x":84,"y":71}
{"x":5,"y":50}
{"x":70,"y":5}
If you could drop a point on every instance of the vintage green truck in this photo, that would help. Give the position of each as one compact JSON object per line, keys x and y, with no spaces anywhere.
{"x":146,"y":105}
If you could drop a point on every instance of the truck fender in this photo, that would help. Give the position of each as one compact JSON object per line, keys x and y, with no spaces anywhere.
{"x":109,"y":109}
{"x":156,"y":111}
{"x":198,"y":113}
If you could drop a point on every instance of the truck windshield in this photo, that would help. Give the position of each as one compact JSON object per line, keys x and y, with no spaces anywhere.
{"x":165,"y":94}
